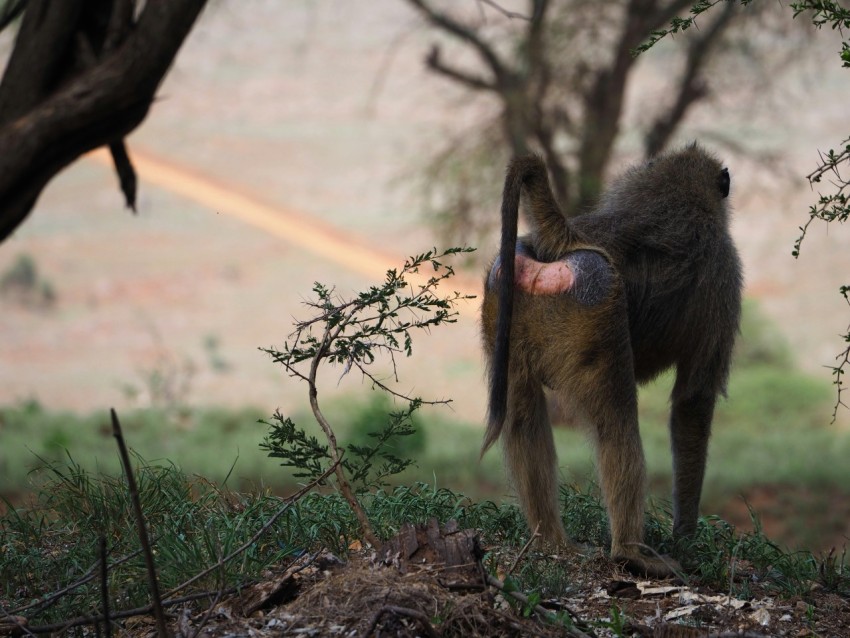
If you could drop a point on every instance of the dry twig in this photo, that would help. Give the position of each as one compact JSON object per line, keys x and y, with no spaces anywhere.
{"x":62,"y":627}
{"x":415,"y":614}
{"x":534,"y":534}
{"x":50,"y":599}
{"x":15,"y":623}
{"x":153,"y":582}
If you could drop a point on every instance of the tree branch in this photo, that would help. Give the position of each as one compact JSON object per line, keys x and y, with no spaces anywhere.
{"x":435,"y":63}
{"x":141,"y":530}
{"x":118,"y":149}
{"x":365,"y":526}
{"x":462,"y":32}
{"x":104,"y":586}
{"x":665,"y":14}
{"x":63,"y":627}
{"x":98,"y":107}
{"x":503,"y":11}
{"x":120,"y":23}
{"x":691,"y":86}
{"x":48,"y":600}
{"x":42,"y":48}
{"x":287,"y":503}
{"x":10,"y":11}
{"x":603,"y":104}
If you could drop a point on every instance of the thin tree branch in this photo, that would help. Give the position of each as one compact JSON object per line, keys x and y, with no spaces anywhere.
{"x":208,"y":614}
{"x":395,"y":393}
{"x":843,"y":359}
{"x":462,"y":32}
{"x":127,"y":613}
{"x":92,"y":573}
{"x":435,"y":63}
{"x":828,"y":164}
{"x":126,"y":173}
{"x":541,"y":611}
{"x":665,"y":14}
{"x":13,"y":624}
{"x":344,"y":486}
{"x":534,"y":536}
{"x":691,"y":85}
{"x":123,"y":166}
{"x":120,"y":24}
{"x":42,"y":48}
{"x":11,"y":10}
{"x":153,"y":581}
{"x":508,"y":14}
{"x":218,"y":597}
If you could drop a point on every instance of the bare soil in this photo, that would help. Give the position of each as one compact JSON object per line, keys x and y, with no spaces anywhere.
{"x":360,"y":595}
{"x":430,"y":593}
{"x":794,"y":515}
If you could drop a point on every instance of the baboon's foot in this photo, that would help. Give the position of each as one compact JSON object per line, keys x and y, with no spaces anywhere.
{"x":643,"y":563}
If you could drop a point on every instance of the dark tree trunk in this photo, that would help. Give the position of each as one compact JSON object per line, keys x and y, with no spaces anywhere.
{"x":603,"y":105}
{"x":82,"y":74}
{"x":561,"y":101}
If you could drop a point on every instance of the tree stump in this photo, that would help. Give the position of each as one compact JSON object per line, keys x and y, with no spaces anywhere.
{"x":456,"y":553}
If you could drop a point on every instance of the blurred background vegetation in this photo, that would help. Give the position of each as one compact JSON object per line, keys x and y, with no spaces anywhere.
{"x":388,"y":123}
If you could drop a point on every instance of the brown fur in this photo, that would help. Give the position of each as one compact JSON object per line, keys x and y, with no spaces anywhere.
{"x":658,"y":285}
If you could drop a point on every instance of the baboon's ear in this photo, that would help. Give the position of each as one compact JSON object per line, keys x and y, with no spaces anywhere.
{"x":723,"y":182}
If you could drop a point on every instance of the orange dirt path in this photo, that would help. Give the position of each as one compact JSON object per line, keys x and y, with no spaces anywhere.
{"x":304,"y":231}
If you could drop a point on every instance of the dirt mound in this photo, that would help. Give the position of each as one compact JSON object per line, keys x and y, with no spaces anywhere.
{"x":430,"y":581}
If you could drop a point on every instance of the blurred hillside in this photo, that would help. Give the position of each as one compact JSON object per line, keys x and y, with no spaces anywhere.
{"x":325,"y":109}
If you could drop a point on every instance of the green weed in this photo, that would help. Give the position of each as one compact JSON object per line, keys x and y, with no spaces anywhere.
{"x":54,"y":542}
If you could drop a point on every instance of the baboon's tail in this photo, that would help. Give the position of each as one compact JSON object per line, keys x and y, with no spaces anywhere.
{"x":498,"y":400}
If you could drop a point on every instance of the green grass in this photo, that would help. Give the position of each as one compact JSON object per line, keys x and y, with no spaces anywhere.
{"x":203,"y":441}
{"x":54,"y":542}
{"x":772,"y":430}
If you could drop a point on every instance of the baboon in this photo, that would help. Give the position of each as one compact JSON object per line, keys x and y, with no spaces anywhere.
{"x":592,"y":306}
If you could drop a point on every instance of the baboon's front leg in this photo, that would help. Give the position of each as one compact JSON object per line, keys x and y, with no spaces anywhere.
{"x":690,"y":426}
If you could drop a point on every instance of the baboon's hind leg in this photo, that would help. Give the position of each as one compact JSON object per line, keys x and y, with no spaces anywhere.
{"x":607,"y":393}
{"x":690,"y":426}
{"x":620,"y":461}
{"x":532,"y":464}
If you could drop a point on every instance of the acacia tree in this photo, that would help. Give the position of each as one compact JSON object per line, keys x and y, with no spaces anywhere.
{"x":559,"y":77}
{"x":82,"y":74}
